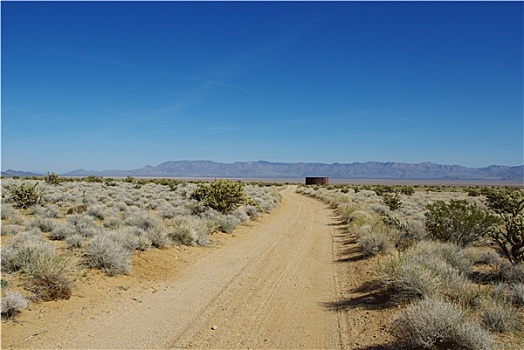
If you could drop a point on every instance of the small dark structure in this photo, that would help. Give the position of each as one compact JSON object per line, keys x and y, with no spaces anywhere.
{"x":316,"y":180}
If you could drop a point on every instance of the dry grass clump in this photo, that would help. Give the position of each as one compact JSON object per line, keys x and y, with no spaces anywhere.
{"x":499,"y":316}
{"x":432,"y":323}
{"x":108,"y":254}
{"x":228,"y":223}
{"x":85,"y":225}
{"x":49,"y":278}
{"x":75,"y":241}
{"x":377,"y":238}
{"x":429,"y":269}
{"x":47,"y":275}
{"x":187,"y":230}
{"x":62,"y":230}
{"x":44,"y":224}
{"x":13,"y":304}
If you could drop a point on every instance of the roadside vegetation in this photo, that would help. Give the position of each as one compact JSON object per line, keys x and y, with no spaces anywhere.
{"x":54,"y":229}
{"x":451,"y":259}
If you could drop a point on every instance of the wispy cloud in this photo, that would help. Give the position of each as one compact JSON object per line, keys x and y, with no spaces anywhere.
{"x":213,"y":82}
{"x":247,"y":36}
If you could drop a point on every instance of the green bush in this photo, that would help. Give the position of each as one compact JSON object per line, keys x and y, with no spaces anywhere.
{"x":222,"y":195}
{"x":458,"y":222}
{"x":503,"y":201}
{"x":52,"y":179}
{"x":392,"y":201}
{"x":25,"y":195}
{"x":510,"y":236}
{"x":407,"y":190}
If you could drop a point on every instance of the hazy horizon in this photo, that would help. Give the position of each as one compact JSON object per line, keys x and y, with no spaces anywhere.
{"x":121,"y":85}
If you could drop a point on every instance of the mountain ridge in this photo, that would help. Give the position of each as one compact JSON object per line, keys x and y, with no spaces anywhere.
{"x":356,"y":170}
{"x":265,"y":169}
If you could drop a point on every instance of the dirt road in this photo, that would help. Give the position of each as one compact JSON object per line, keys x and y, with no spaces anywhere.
{"x":266,"y":287}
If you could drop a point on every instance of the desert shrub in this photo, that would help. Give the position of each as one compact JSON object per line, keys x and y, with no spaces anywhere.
{"x":78,"y":209}
{"x":52,"y":179}
{"x":188,"y":230}
{"x":251,"y":211}
{"x":430,"y":324}
{"x":7,"y":211}
{"x":121,"y":206}
{"x":392,"y":201}
{"x":108,"y":255}
{"x":158,"y":238}
{"x":143,"y":221}
{"x":380,"y":209}
{"x":410,"y":231}
{"x":428,"y":269}
{"x":458,"y":222}
{"x":503,"y":201}
{"x":31,"y":250}
{"x":11,"y":230}
{"x":49,"y":278}
{"x":512,"y":273}
{"x":51,"y":211}
{"x":499,"y":316}
{"x":44,"y":224}
{"x":74,"y":241}
{"x":167,"y":211}
{"x":510,"y":237}
{"x":407,"y":190}
{"x":480,"y":256}
{"x":96,"y":211}
{"x":25,"y":195}
{"x":10,"y":261}
{"x":13,"y":304}
{"x":447,"y":252}
{"x":221,"y":195}
{"x":378,"y":238}
{"x":84,"y":225}
{"x":515,"y":294}
{"x":360,"y":218}
{"x":144,"y":243}
{"x":112,"y":222}
{"x":93,"y":178}
{"x":381,"y":189}
{"x":126,"y":238}
{"x":62,"y":230}
{"x":241,"y":214}
{"x":345,"y":211}
{"x":407,"y":280}
{"x":228,"y":223}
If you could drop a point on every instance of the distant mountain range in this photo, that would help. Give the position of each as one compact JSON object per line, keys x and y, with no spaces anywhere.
{"x":269,"y":170}
{"x":19,"y":173}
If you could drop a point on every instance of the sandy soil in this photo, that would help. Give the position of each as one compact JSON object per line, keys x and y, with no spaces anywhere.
{"x":290,"y":280}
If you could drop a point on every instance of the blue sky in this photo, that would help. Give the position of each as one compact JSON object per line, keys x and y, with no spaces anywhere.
{"x":118,"y":85}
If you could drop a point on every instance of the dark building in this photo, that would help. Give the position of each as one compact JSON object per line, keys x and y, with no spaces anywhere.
{"x":316,"y":180}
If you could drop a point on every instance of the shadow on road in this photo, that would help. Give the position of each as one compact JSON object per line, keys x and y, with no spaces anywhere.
{"x":371,"y":297}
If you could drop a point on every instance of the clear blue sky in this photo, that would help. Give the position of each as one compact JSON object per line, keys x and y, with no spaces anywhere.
{"x":120,"y":85}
